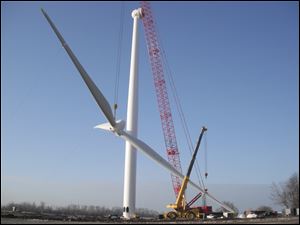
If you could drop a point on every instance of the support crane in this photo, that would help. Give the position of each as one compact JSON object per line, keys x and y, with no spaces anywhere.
{"x":161,"y":93}
{"x":181,"y":208}
{"x":155,"y":55}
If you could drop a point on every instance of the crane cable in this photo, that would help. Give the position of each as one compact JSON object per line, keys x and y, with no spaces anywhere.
{"x":205,"y":156}
{"x":118,"y":62}
{"x":179,"y":108}
{"x":185,"y":128}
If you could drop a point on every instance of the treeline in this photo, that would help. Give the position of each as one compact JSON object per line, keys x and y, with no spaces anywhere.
{"x":72,"y":210}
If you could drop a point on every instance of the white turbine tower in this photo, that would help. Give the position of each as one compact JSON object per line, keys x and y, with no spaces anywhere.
{"x":118,"y":127}
{"x":132,"y":124}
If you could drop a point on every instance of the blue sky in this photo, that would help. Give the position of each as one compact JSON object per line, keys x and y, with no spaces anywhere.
{"x":236,"y":70}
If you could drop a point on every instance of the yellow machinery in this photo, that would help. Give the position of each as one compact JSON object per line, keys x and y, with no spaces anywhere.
{"x":180,"y":208}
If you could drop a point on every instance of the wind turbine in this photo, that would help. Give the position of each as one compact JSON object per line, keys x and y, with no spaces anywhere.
{"x":118,"y":127}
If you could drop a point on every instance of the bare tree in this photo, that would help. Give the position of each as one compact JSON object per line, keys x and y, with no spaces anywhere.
{"x":286,"y":193}
{"x":42,"y":206}
{"x":142,"y":212}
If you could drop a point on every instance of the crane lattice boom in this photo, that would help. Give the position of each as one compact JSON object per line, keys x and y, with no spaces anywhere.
{"x":161,"y":92}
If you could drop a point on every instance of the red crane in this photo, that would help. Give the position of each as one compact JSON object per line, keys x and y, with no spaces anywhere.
{"x":161,"y":93}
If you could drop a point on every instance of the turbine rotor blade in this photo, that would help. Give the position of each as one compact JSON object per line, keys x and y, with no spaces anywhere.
{"x":146,"y":149}
{"x":140,"y":145}
{"x":98,"y":96}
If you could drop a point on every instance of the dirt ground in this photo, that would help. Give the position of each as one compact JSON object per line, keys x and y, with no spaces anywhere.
{"x":282,"y":220}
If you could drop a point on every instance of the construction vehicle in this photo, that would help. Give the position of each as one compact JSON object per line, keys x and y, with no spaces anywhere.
{"x":158,"y":72}
{"x":160,"y":68}
{"x":181,"y":209}
{"x":157,"y":58}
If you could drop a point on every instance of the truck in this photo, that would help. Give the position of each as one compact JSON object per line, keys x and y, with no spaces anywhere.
{"x":181,"y":209}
